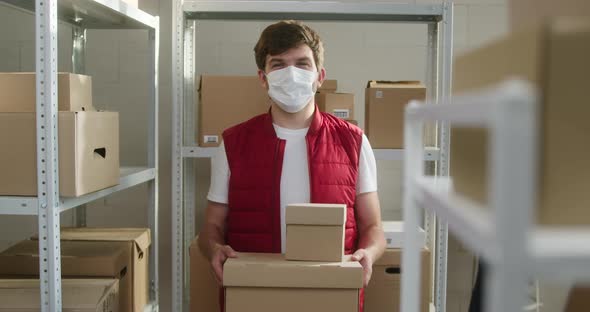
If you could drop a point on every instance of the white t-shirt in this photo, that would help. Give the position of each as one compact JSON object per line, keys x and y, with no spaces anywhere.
{"x":295,"y":173}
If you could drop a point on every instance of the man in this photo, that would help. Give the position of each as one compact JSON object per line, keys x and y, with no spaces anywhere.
{"x":293,"y":154}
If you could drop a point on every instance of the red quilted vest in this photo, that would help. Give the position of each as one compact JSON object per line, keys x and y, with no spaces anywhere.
{"x":255,"y":157}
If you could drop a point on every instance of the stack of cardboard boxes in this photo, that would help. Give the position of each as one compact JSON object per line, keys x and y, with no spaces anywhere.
{"x":88,"y":139}
{"x":313,"y":275}
{"x":115,"y":256}
{"x":225,"y":101}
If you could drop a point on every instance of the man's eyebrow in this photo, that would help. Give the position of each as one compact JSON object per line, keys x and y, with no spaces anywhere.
{"x":305,"y":58}
{"x":276,"y":59}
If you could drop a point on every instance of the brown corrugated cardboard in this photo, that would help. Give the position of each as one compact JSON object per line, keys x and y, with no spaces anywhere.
{"x":315,"y":232}
{"x":78,"y":259}
{"x":17,"y":92}
{"x":328,"y":86}
{"x":340,"y":105}
{"x":204,"y":288}
{"x":226,"y":101}
{"x":523,"y":16}
{"x":550,"y":57}
{"x":578,"y":300}
{"x":267,"y":282}
{"x":385,"y":102}
{"x":137,"y":241}
{"x":78,"y":295}
{"x":383,"y":292}
{"x":88,"y":153}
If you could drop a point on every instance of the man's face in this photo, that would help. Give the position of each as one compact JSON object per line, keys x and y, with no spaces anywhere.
{"x":301,"y":57}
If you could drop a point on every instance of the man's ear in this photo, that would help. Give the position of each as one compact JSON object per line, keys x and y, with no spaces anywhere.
{"x":321,"y":76}
{"x":262,"y":78}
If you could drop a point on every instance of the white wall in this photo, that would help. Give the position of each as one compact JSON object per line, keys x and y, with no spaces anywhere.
{"x":355,"y":53}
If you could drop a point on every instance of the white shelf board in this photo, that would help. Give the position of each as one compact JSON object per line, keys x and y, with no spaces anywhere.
{"x":312,"y":10}
{"x":130,"y":177}
{"x":430,"y":153}
{"x":95,"y":14}
{"x":562,"y":253}
{"x":470,"y":222}
{"x":18,"y":205}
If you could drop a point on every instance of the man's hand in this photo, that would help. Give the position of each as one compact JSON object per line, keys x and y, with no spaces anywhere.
{"x":366,"y":260}
{"x":218,"y":258}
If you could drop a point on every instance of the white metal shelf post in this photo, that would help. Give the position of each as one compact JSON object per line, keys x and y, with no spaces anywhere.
{"x":47,"y":162}
{"x":439,"y":41}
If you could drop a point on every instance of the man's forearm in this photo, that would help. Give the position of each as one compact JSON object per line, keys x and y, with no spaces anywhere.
{"x":373,"y":240}
{"x":210,"y":237}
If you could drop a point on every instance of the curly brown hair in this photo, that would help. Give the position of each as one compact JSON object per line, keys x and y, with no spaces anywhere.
{"x":285,"y":35}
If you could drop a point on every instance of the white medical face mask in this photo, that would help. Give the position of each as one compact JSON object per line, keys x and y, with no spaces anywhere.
{"x":291,"y":88}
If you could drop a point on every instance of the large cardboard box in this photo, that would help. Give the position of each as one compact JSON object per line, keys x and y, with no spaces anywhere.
{"x":88,"y":153}
{"x":269,"y":283}
{"x":328,"y":86}
{"x":18,"y":92}
{"x":394,"y":234}
{"x":78,"y":260}
{"x":204,"y":295}
{"x":226,"y":101}
{"x":78,"y":295}
{"x":555,"y":59}
{"x":137,"y":242}
{"x":526,"y":14}
{"x":340,"y":105}
{"x":315,"y":232}
{"x":383,"y":292}
{"x":578,"y":300}
{"x":385,"y":102}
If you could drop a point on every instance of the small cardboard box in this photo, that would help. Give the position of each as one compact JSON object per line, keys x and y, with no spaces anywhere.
{"x":18,"y":92}
{"x":385,"y":102}
{"x":226,"y":101}
{"x":137,"y":242}
{"x":527,"y":14}
{"x":340,"y":105}
{"x":394,"y":234}
{"x":204,"y":288}
{"x":328,"y":86}
{"x":78,"y":260}
{"x":78,"y":295}
{"x":88,"y":153}
{"x":269,"y":283}
{"x":383,"y":292}
{"x":553,"y":58}
{"x":315,"y":232}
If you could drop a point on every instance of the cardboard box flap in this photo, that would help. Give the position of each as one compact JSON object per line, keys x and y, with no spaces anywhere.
{"x":17,"y":294}
{"x":141,"y":236}
{"x":316,"y":214}
{"x":272,"y":270}
{"x":329,"y":85}
{"x":394,"y":84}
{"x":100,"y":259}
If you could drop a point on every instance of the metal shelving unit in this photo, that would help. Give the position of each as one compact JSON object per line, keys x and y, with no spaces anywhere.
{"x":48,"y":205}
{"x":503,"y":233}
{"x":439,"y":19}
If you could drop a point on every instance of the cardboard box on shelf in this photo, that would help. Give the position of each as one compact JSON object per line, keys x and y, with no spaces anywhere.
{"x":523,"y":17}
{"x":204,"y":295}
{"x":340,"y":105}
{"x":383,"y":292}
{"x":226,"y":101}
{"x":269,"y":283}
{"x":137,"y":242}
{"x":328,"y":86}
{"x":18,"y":92}
{"x":385,"y":102}
{"x":315,"y":232}
{"x":549,"y":57}
{"x":78,"y":295}
{"x":88,"y":153}
{"x":78,"y":260}
{"x":394,"y":234}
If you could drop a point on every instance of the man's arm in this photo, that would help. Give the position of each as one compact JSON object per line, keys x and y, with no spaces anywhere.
{"x":212,"y":238}
{"x":371,"y":238}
